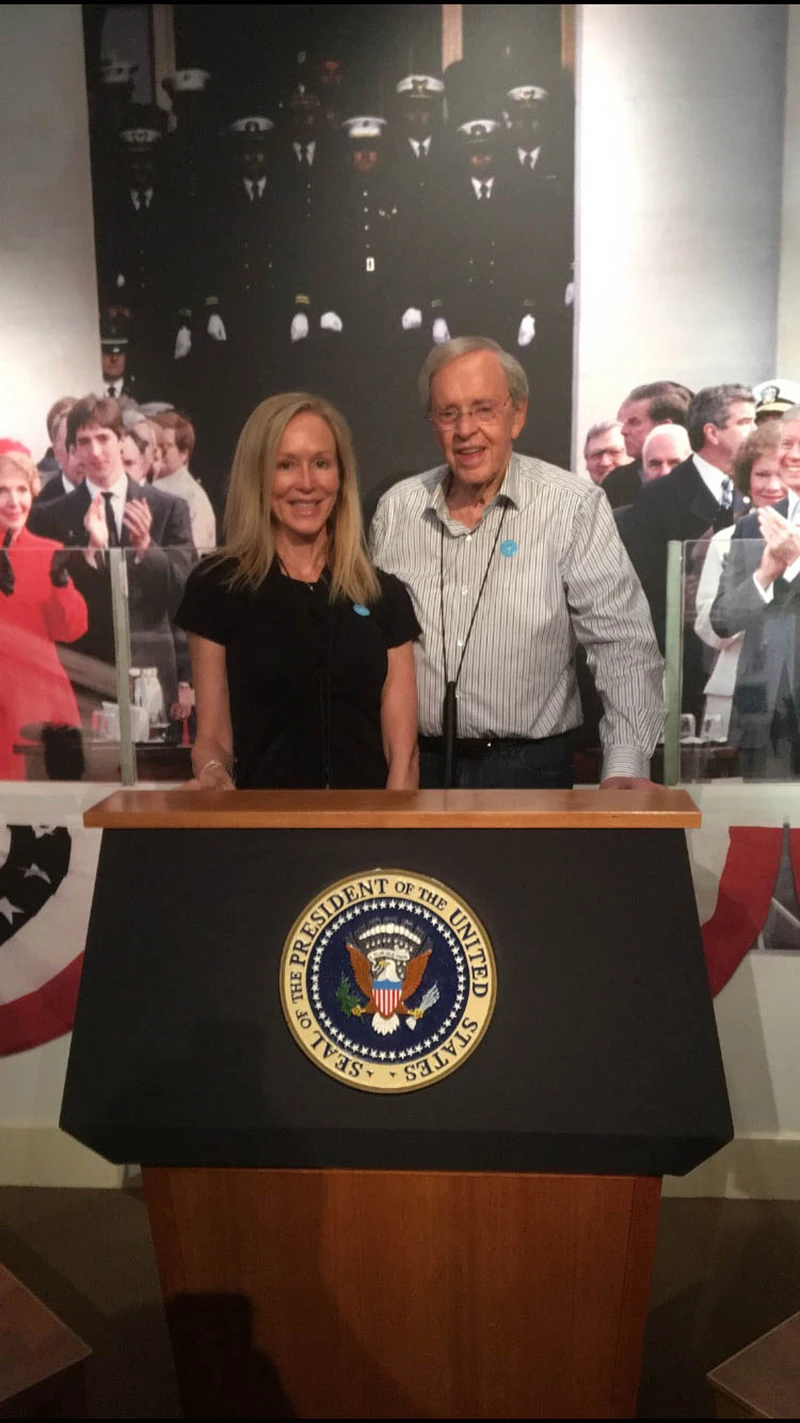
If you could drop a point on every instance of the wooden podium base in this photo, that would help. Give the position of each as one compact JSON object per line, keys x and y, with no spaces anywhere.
{"x":370,"y":1294}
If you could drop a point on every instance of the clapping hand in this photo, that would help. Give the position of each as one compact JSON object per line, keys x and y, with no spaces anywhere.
{"x":94,"y":522}
{"x":782,"y":545}
{"x":138,"y":521}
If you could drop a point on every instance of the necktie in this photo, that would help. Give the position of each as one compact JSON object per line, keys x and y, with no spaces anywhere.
{"x":724,"y":518}
{"x":111,"y":390}
{"x":111,"y":523}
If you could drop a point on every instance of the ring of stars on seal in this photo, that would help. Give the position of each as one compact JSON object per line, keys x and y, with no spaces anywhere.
{"x":388,"y":980}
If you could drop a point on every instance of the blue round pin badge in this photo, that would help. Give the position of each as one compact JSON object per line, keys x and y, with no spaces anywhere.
{"x":361,"y":610}
{"x":509,"y":547}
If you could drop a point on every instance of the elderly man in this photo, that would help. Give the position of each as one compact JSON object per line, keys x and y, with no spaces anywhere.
{"x":510,"y":561}
{"x":663,"y":402}
{"x":665,"y":447}
{"x":604,"y":450}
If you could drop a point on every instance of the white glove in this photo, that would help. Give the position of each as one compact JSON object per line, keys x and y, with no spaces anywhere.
{"x":329,"y":321}
{"x":299,"y":327}
{"x":569,"y":294}
{"x":411,"y":320}
{"x":527,"y":330}
{"x":216,"y":327}
{"x":183,"y":343}
{"x":441,"y":330}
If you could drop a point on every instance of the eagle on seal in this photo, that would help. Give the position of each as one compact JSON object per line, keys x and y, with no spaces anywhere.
{"x":389,"y":962}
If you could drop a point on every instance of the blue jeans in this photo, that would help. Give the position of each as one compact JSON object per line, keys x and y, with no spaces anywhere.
{"x":544,"y":765}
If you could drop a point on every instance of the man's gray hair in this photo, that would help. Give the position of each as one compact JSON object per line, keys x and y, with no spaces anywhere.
{"x":711,"y":406}
{"x":793,"y":413}
{"x":601,"y":428}
{"x":448,"y":351}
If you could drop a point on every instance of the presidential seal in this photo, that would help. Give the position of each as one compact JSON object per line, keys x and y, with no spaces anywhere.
{"x":388,"y":981}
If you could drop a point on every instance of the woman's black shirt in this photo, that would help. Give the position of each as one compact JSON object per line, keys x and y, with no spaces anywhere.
{"x":305,"y":674}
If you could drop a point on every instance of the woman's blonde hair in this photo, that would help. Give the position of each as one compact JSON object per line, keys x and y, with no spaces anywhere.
{"x":249,"y":537}
{"x":23,"y":464}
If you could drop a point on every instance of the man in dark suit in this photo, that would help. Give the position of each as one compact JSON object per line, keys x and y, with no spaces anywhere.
{"x":108,"y":510}
{"x":759,"y":595}
{"x":662,"y":402}
{"x":68,"y":472}
{"x":690,"y":504}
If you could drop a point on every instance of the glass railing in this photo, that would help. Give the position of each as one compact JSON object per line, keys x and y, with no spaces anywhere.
{"x":731,"y":649}
{"x":95,"y":679}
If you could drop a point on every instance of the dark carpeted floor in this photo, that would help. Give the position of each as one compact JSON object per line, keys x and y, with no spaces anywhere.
{"x":726,"y":1271}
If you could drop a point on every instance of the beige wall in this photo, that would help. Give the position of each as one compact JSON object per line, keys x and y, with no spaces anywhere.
{"x":679,"y":143}
{"x":48,"y":299}
{"x":788,"y":360}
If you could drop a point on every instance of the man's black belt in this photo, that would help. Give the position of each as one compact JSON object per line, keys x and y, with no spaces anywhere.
{"x":472,"y":746}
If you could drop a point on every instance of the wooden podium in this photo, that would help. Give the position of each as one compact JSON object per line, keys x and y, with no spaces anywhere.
{"x":480,"y":1248}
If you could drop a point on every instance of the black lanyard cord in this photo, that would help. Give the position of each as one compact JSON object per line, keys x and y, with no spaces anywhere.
{"x":449,"y":707}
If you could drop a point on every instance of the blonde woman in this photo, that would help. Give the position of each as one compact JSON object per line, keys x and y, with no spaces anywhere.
{"x":301,"y":650}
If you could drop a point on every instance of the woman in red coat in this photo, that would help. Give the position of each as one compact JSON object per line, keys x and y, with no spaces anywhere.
{"x":39,"y":605}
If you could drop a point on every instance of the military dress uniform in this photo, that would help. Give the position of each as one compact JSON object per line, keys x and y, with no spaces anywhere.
{"x":487,"y":287}
{"x":141,"y":239}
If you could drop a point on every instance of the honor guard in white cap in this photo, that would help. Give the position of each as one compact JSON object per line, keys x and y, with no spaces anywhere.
{"x":304,"y":181}
{"x":140,"y":241}
{"x":239,"y":292}
{"x":190,"y":142}
{"x":420,"y":175}
{"x":363,"y":235}
{"x":774,"y":397}
{"x":485,"y":272}
{"x":525,"y":115}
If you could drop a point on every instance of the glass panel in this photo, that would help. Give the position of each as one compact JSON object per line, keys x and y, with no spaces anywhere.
{"x":738,"y":701}
{"x":160,"y":678}
{"x":58,"y":690}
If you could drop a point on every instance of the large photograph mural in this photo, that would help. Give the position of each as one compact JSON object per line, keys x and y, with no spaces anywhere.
{"x":308,"y":196}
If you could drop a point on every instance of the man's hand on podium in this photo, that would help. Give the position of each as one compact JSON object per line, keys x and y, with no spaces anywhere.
{"x":627,"y":783}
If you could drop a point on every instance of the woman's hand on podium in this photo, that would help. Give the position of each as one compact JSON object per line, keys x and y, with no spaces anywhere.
{"x":627,"y":783}
{"x":213,"y":776}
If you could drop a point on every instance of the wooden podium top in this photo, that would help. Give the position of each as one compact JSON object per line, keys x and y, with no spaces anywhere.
{"x":654,"y":809}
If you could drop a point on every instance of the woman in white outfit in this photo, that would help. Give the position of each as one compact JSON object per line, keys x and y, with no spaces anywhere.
{"x":756,"y":476}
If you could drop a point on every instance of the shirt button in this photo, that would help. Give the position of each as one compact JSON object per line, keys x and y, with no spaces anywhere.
{"x":464,"y":592}
{"x":460,"y":642}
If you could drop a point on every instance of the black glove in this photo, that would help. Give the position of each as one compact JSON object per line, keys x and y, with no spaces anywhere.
{"x":59,"y":568}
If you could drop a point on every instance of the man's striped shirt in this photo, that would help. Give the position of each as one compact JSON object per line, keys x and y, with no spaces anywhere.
{"x":559,"y":574}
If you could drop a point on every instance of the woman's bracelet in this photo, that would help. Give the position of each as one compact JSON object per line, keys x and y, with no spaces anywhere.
{"x":228,"y":769}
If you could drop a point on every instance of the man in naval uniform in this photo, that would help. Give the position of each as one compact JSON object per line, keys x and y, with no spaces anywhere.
{"x":117,"y":381}
{"x":418,"y":170}
{"x":487,"y":282}
{"x":141,"y":245}
{"x":189,"y":142}
{"x":541,"y":210}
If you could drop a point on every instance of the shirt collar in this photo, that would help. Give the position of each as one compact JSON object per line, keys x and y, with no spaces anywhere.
{"x":512,"y":491}
{"x":711,"y":476}
{"x":478,"y":183}
{"x":793,"y":510}
{"x":118,"y":490}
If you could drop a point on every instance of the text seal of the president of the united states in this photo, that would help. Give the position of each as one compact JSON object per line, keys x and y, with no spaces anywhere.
{"x":388,"y":980}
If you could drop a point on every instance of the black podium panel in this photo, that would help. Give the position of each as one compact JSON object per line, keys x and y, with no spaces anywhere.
{"x":602,"y":1054}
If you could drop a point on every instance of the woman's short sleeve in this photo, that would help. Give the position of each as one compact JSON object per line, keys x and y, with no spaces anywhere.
{"x":208,"y":608}
{"x":395,"y":612}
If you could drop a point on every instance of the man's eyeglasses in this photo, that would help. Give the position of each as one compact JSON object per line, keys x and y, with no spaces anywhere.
{"x":483,"y":412}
